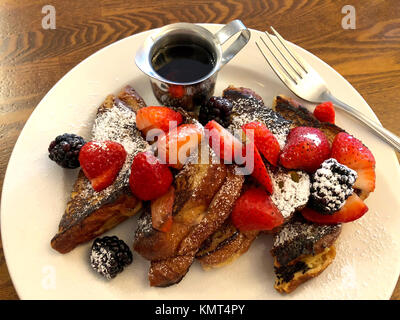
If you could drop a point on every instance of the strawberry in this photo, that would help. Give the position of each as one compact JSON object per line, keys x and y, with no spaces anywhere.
{"x":176,"y":91}
{"x":175,"y":147}
{"x":162,"y":118}
{"x":325,"y":112}
{"x":265,"y":141}
{"x":149,"y":178}
{"x":101,"y":162}
{"x":260,"y":172}
{"x":161,"y":211}
{"x":306,"y":148}
{"x":353,"y":209}
{"x":352,"y":153}
{"x":254,"y":210}
{"x":229,"y":148}
{"x":224,"y":144}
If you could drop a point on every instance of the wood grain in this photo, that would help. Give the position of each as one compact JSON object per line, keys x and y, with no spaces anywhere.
{"x":32,"y":59}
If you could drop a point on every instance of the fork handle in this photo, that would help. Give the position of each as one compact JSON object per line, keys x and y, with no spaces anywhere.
{"x":387,"y":136}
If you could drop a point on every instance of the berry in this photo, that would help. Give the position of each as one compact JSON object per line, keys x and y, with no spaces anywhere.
{"x":64,"y":150}
{"x":254,"y":210}
{"x":218,"y":109}
{"x":325,"y":112}
{"x":149,"y":179}
{"x":331,"y":185}
{"x":265,"y":141}
{"x":224,"y":144}
{"x":176,"y":146}
{"x":101,"y":162}
{"x":260,"y":172}
{"x":109,"y":256}
{"x":162,"y":118}
{"x":306,"y":149}
{"x":161,"y":211}
{"x":353,"y":209}
{"x":352,"y":153}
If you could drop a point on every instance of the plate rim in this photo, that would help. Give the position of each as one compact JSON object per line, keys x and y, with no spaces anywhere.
{"x":71,"y":71}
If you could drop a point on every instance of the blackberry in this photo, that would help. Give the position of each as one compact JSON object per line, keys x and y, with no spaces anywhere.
{"x":218,"y":109}
{"x":64,"y":150}
{"x":109,"y":256}
{"x":331,"y":185}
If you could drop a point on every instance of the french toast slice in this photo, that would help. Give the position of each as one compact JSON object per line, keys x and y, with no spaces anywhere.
{"x":89,"y":213}
{"x":205,"y":193}
{"x":301,"y":251}
{"x":228,"y":243}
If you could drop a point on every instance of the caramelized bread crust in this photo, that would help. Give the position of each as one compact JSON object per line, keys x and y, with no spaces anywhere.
{"x":290,"y":109}
{"x":89,"y":213}
{"x":225,"y":246}
{"x":290,"y":277}
{"x":165,"y":272}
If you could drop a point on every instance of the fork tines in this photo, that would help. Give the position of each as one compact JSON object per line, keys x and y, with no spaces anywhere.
{"x":288,"y":67}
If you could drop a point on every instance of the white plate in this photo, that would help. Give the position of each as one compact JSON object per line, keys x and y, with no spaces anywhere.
{"x":36,"y":190}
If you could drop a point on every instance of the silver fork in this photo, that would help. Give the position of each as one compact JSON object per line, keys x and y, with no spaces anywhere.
{"x":307,"y":84}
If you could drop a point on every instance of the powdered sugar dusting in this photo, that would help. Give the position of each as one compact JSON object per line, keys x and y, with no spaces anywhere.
{"x":100,"y":261}
{"x":291,"y":190}
{"x":246,"y":110}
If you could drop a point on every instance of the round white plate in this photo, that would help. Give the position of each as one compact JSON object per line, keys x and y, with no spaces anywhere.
{"x":36,"y":190}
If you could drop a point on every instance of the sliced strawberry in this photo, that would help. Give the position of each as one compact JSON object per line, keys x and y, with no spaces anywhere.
{"x":154,"y":117}
{"x":260,"y":172}
{"x":254,"y":210}
{"x":352,"y":153}
{"x":224,"y":144}
{"x":325,"y":112}
{"x":175,"y":147}
{"x":306,"y":148}
{"x":101,"y":162}
{"x":149,"y":178}
{"x":265,"y":141}
{"x":161,"y":211}
{"x":353,"y":209}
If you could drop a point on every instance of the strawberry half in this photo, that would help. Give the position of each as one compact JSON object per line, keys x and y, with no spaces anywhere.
{"x":149,"y":178}
{"x":325,"y":112}
{"x":260,"y":172}
{"x":352,"y":153}
{"x":254,"y":210}
{"x":265,"y":141}
{"x":224,"y":144}
{"x":101,"y":162}
{"x":154,"y":117}
{"x":353,"y":209}
{"x":176,"y":146}
{"x":229,"y":149}
{"x":306,"y":148}
{"x":161,"y":211}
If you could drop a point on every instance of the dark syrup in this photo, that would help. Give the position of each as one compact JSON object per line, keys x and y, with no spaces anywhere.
{"x":183,"y":62}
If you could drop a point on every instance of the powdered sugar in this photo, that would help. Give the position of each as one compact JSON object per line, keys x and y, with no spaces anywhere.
{"x":291,"y":190}
{"x":100,"y":261}
{"x":307,"y":231}
{"x":246,"y":110}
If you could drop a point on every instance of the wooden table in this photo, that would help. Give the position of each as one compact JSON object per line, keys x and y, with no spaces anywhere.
{"x":33,"y":59}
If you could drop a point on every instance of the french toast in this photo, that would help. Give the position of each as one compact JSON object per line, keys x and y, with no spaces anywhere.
{"x":89,"y":213}
{"x":291,"y":187}
{"x":302,"y":250}
{"x":205,"y":193}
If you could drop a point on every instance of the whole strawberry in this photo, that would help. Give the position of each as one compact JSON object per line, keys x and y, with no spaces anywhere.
{"x":306,"y":148}
{"x":149,"y":179}
{"x":101,"y":161}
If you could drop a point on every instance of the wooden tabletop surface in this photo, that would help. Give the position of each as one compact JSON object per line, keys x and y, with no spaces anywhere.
{"x":33,"y":59}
